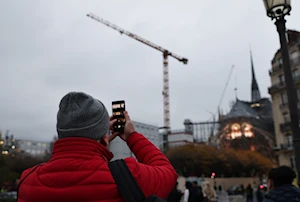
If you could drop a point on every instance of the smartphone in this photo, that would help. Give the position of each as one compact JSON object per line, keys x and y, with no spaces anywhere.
{"x":118,"y":108}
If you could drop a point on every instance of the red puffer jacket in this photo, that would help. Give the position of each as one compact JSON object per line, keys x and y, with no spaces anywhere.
{"x":78,"y":171}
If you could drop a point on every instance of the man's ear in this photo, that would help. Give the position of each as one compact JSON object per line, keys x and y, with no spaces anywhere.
{"x":105,"y":140}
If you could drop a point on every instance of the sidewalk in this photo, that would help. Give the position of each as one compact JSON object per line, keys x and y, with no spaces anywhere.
{"x":223,"y":197}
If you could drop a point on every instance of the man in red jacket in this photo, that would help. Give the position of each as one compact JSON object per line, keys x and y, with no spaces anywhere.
{"x":78,"y":169}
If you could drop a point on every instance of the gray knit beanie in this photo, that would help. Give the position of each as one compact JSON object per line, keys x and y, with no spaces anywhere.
{"x":80,"y":115}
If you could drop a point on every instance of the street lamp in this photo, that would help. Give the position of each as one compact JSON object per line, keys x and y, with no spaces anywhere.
{"x":278,"y":9}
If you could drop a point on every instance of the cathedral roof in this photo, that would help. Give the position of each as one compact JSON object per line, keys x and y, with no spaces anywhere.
{"x":241,"y":109}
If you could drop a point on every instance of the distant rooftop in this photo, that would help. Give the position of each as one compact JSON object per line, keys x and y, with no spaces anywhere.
{"x":260,"y":108}
{"x":241,"y":109}
{"x":293,"y":38}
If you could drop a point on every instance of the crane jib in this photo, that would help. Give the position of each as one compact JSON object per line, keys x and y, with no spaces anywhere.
{"x":165,"y":52}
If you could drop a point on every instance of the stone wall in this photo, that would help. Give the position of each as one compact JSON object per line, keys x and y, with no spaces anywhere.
{"x":224,"y":182}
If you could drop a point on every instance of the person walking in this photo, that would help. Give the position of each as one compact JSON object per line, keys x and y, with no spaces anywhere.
{"x":187,"y":191}
{"x":209,"y":193}
{"x":193,"y":192}
{"x":259,"y":194}
{"x":280,"y":185}
{"x":249,"y":193}
{"x":78,"y":169}
{"x":175,"y":195}
{"x":197,"y":192}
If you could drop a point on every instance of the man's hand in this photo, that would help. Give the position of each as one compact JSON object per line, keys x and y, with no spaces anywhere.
{"x":128,"y":129}
{"x":111,"y":124}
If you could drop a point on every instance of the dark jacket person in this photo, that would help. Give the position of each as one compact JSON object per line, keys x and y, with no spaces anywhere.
{"x":281,"y":187}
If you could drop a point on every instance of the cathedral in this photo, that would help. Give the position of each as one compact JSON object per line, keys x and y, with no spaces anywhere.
{"x":249,"y":124}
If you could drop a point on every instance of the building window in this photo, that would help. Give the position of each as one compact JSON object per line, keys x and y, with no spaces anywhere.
{"x":289,"y":140}
{"x":284,"y":100}
{"x":281,"y":79}
{"x":298,"y":93}
{"x":295,"y":73}
{"x":286,"y":117}
{"x":280,"y":63}
{"x":294,"y":57}
{"x":292,"y":159}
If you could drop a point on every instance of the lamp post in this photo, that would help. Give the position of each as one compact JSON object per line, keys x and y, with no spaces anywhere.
{"x":278,"y":9}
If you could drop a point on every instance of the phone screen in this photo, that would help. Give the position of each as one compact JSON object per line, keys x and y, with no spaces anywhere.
{"x":118,"y":108}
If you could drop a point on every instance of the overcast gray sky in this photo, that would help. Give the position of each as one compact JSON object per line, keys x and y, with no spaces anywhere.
{"x":48,"y":48}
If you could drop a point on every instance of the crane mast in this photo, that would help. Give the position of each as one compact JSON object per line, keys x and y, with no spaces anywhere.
{"x":165,"y":53}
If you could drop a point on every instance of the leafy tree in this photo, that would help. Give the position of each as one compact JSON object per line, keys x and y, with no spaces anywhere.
{"x":20,"y":164}
{"x":196,"y":160}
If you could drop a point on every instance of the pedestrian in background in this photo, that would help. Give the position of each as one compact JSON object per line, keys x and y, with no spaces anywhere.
{"x":280,"y":185}
{"x":249,"y":193}
{"x":259,"y":194}
{"x":220,"y":188}
{"x":187,"y":191}
{"x":195,"y":193}
{"x":175,"y":195}
{"x":209,"y":193}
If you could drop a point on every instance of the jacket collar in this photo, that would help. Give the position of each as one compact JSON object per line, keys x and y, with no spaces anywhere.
{"x":79,"y":146}
{"x":289,"y":190}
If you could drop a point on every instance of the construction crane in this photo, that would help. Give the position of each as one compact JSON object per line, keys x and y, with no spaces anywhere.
{"x":225,"y":87}
{"x":165,"y":53}
{"x":221,"y":99}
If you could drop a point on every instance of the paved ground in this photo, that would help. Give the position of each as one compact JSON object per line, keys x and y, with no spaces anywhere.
{"x":223,"y":197}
